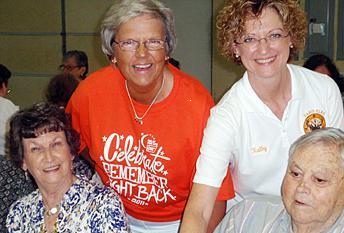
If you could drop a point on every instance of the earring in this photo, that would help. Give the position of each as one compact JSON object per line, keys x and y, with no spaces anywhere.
{"x":114,"y":61}
{"x":73,"y":168}
{"x":291,"y":46}
{"x":26,"y":175}
{"x":237,"y":56}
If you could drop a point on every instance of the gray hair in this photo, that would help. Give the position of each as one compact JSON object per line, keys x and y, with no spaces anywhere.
{"x":123,"y":10}
{"x":325,"y":136}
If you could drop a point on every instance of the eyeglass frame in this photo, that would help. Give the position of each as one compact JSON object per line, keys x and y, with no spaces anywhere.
{"x":70,"y":68}
{"x":119,"y":43}
{"x":256,"y":42}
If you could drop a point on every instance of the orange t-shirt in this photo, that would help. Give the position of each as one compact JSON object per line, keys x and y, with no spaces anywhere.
{"x":151,"y":165}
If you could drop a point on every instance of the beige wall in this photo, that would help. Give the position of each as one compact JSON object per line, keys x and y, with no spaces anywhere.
{"x":30,"y":41}
{"x":31,"y":45}
{"x":224,"y":73}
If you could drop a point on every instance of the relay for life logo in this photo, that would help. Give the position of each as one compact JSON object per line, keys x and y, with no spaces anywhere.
{"x":136,"y":169}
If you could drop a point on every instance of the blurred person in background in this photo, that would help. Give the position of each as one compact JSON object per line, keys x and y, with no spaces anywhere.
{"x":75,"y":62}
{"x":61,"y":88}
{"x":323,"y":64}
{"x":13,"y":183}
{"x":7,"y":108}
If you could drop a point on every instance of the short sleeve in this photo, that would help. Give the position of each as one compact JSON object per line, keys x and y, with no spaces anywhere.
{"x":74,"y":111}
{"x":112,"y":216}
{"x":218,"y":146}
{"x":13,"y":221}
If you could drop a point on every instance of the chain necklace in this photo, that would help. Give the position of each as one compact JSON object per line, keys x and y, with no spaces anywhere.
{"x":137,"y":118}
{"x":49,"y":213}
{"x":44,"y":230}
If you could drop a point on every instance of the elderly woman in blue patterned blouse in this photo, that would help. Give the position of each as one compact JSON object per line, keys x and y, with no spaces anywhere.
{"x":42,"y":142}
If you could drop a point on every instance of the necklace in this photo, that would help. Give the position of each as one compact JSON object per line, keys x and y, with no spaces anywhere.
{"x":49,"y":213}
{"x":137,"y":118}
{"x":52,"y":211}
{"x":44,"y":230}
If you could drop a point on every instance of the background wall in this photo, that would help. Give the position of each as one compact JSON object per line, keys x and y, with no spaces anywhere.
{"x":31,"y":42}
{"x":224,"y":73}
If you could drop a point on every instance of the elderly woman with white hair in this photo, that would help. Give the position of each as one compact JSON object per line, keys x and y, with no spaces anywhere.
{"x":141,"y":119}
{"x":312,"y":191}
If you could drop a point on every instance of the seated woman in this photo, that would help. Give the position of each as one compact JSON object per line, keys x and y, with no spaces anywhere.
{"x":42,"y":142}
{"x":312,"y":192}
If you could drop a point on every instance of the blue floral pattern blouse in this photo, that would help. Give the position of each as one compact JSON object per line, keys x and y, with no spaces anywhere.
{"x":84,"y":208}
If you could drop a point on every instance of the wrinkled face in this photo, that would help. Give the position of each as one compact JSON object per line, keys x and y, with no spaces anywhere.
{"x":48,"y":158}
{"x":141,"y":68}
{"x":312,"y":188}
{"x":323,"y":70}
{"x":71,"y":67}
{"x":270,"y":55}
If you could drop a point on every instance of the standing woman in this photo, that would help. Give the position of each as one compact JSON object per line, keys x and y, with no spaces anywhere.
{"x":141,"y":119}
{"x":252,"y":127}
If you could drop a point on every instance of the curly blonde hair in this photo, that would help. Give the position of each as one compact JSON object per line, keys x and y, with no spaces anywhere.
{"x":230,"y":22}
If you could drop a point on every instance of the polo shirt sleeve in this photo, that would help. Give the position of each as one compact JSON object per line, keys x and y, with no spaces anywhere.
{"x":217,"y":145}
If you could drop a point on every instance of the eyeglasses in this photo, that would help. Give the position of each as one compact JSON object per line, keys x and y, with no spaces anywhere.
{"x":272,"y":38}
{"x":133,"y":45}
{"x":68,"y":67}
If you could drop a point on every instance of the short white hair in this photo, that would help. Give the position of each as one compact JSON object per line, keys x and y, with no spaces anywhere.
{"x":325,"y":136}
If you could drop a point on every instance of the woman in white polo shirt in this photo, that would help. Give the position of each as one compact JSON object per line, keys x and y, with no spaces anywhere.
{"x":251,"y":128}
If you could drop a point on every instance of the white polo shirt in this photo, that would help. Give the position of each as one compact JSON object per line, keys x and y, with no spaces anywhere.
{"x":243,"y":133}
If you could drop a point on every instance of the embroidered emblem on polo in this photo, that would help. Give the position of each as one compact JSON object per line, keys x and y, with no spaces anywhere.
{"x":314,"y":121}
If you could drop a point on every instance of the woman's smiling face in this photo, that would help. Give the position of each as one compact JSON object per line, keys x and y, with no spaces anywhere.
{"x":48,"y":158}
{"x":266,"y":58}
{"x":141,"y":68}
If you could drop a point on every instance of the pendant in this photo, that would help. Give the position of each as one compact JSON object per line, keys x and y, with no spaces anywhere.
{"x":139,"y":120}
{"x":53,"y":210}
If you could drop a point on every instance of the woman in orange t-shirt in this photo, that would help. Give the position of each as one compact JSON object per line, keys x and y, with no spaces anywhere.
{"x":141,"y":119}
